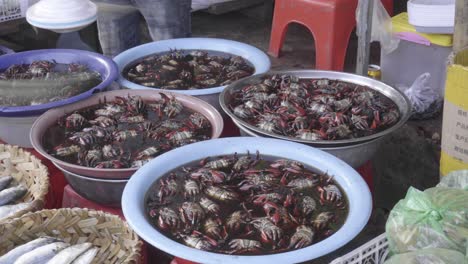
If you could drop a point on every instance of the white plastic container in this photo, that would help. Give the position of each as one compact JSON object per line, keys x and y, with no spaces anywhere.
{"x":416,"y":54}
{"x":432,"y":16}
{"x":15,"y":130}
{"x":375,"y":251}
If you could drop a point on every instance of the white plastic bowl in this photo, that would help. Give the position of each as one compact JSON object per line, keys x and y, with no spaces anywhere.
{"x":358,"y":194}
{"x":258,"y":58}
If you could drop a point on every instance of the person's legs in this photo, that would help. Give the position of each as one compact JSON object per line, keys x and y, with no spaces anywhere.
{"x":166,"y":18}
{"x":118,"y":26}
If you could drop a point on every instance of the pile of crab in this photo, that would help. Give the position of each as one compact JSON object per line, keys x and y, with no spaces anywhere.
{"x":314,"y":109}
{"x":246,"y":205}
{"x":125,"y":133}
{"x":44,"y":81}
{"x":185,"y":69}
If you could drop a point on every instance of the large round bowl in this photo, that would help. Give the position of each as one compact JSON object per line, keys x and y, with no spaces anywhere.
{"x":95,"y":62}
{"x":357,"y":192}
{"x":16,"y":121}
{"x":107,"y":192}
{"x":402,"y":102}
{"x":355,"y":155}
{"x":256,"y":57}
{"x":50,"y":118}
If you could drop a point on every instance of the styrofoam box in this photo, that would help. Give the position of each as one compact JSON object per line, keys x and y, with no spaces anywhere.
{"x":431,"y":13}
{"x":410,"y":60}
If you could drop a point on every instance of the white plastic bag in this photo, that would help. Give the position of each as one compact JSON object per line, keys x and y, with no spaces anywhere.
{"x":455,"y":179}
{"x":429,"y":255}
{"x":381,"y":27}
{"x":421,"y":94}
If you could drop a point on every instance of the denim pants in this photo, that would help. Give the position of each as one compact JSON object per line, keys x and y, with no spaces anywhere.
{"x":166,"y":19}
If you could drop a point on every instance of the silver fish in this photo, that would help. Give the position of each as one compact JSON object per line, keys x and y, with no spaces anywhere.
{"x":69,"y":254}
{"x":12,"y":255}
{"x":9,"y":210}
{"x":5,"y":182}
{"x":87,"y":257}
{"x":42,"y":254}
{"x":12,"y":194}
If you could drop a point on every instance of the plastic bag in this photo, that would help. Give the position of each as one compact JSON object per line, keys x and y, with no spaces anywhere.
{"x":426,"y":256}
{"x":435,"y":218}
{"x":455,"y":179}
{"x":381,"y":27}
{"x":421,"y":95}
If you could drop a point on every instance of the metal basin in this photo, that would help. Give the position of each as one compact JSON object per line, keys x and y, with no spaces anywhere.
{"x":102,"y":191}
{"x":402,"y":102}
{"x":355,"y":155}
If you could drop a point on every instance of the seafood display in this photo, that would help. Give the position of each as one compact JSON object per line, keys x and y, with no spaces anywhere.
{"x":314,"y":109}
{"x":125,"y":133}
{"x":246,"y":205}
{"x":188,"y":69}
{"x":50,"y":250}
{"x":43,"y":82}
{"x":9,"y":194}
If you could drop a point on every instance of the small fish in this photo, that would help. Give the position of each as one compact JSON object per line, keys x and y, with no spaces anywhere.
{"x":5,"y":182}
{"x":42,"y":254}
{"x":17,"y":252}
{"x":87,"y":257}
{"x":69,"y":254}
{"x":9,"y":210}
{"x":12,"y":194}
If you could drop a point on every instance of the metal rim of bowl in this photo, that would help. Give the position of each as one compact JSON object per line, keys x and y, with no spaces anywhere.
{"x":253,"y":134}
{"x":38,"y":146}
{"x":388,"y":91}
{"x":205,"y":91}
{"x":107,"y":180}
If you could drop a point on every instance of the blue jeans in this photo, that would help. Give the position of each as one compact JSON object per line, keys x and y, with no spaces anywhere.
{"x":166,"y":19}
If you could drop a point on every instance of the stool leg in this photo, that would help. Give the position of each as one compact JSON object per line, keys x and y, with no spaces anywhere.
{"x":331,"y":46}
{"x":278,"y":31}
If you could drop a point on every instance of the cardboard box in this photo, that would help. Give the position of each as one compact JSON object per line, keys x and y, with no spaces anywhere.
{"x":454,"y":154}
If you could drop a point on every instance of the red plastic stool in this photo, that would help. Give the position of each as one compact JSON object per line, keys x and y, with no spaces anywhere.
{"x":72,"y":199}
{"x":330,"y":22}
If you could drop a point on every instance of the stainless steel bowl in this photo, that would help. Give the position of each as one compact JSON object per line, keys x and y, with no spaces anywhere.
{"x":355,"y":155}
{"x":102,"y":191}
{"x":402,"y":102}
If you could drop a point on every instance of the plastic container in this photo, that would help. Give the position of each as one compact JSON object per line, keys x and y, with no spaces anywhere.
{"x":258,"y":58}
{"x":12,"y":9}
{"x":375,"y":251}
{"x":357,"y":192}
{"x":416,"y":54}
{"x":432,"y":16}
{"x":62,"y":16}
{"x":16,"y":121}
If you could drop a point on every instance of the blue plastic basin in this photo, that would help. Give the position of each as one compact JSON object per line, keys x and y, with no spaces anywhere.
{"x":96,"y":62}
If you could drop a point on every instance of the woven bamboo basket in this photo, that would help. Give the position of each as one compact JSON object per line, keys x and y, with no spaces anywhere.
{"x":116,"y":241}
{"x":27,"y":170}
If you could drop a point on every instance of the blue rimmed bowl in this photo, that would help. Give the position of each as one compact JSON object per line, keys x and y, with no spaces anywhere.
{"x":356,"y":190}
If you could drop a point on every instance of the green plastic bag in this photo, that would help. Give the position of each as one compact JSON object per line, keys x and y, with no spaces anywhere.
{"x":428,"y":256}
{"x":435,"y":218}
